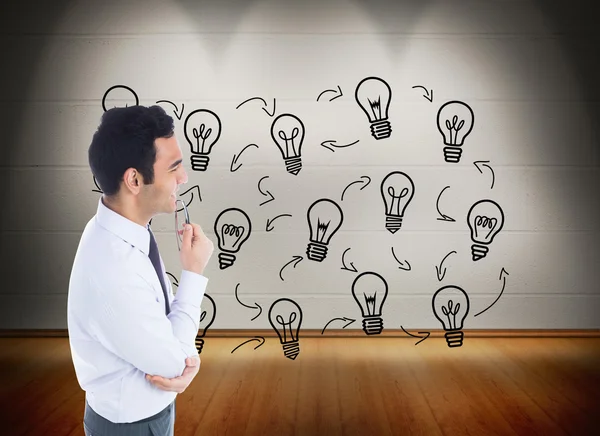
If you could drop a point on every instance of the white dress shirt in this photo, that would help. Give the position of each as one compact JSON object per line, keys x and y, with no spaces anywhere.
{"x":118,"y":329}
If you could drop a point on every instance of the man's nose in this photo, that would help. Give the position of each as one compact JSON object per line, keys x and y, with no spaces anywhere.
{"x":184,"y":178}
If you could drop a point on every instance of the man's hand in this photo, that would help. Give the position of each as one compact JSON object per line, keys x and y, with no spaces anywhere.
{"x":177,"y":384}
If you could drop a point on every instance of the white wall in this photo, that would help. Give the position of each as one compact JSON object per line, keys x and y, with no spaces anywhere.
{"x":503,"y":58}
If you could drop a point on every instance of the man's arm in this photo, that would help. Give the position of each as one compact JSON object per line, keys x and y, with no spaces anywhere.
{"x":132,"y":324}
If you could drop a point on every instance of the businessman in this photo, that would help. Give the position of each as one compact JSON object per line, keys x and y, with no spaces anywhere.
{"x":131,"y":339}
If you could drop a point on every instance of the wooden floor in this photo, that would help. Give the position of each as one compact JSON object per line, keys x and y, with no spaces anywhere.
{"x":337,"y":386}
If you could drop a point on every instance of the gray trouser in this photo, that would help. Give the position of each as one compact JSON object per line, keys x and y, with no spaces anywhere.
{"x":161,"y":424}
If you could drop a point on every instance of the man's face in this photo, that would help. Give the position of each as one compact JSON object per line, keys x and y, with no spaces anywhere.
{"x":168,"y":175}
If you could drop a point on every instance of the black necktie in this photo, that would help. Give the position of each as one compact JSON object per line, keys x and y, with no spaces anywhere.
{"x":155,"y":259}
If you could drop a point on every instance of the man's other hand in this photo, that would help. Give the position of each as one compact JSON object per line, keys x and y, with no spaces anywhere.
{"x":177,"y":384}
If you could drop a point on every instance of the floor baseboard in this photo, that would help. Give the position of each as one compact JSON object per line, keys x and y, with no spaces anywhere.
{"x":386,"y":333}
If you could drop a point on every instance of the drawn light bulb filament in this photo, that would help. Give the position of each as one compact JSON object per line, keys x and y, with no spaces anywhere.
{"x":482,"y":223}
{"x":448,"y":311}
{"x":200,"y":134}
{"x":231,"y":234}
{"x":287,"y":326}
{"x":289,"y":141}
{"x":395,"y":205}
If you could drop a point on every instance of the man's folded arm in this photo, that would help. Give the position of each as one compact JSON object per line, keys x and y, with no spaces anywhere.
{"x":131,"y":323}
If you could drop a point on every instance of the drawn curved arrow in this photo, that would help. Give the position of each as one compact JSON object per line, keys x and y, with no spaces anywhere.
{"x":264,"y":103}
{"x":503,"y":278}
{"x":255,"y":338}
{"x":178,"y":115}
{"x":344,"y":266}
{"x":194,"y":189}
{"x":332,"y":143}
{"x":331,"y":90}
{"x":96,"y":183}
{"x":270,"y":221}
{"x":414,"y":336}
{"x":426,"y":93}
{"x":347,"y":320}
{"x":266,"y":194}
{"x":437,"y":206}
{"x":483,"y":164}
{"x":296,"y":259}
{"x":237,"y":156}
{"x":439,"y":269}
{"x":256,"y":305}
{"x":358,"y":181}
{"x":174,"y":281}
{"x":400,"y":263}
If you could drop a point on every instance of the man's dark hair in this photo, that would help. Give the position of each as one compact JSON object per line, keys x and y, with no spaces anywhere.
{"x":125,"y":139}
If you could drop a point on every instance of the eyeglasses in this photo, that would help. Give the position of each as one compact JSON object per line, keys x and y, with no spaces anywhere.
{"x":181,"y":215}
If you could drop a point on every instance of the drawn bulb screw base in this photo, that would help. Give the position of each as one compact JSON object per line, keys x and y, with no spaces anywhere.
{"x":199,"y":162}
{"x":291,"y":350}
{"x":393,"y":223}
{"x":316,"y":251}
{"x":199,"y":343}
{"x":293,"y":165}
{"x":226,"y":260}
{"x":479,"y":251}
{"x":454,"y":338}
{"x":372,"y":325}
{"x":381,"y":129}
{"x":452,"y":154}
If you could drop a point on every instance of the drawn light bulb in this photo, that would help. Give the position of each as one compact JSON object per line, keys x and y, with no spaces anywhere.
{"x":232,"y":228}
{"x":369,"y":290}
{"x":455,"y":121}
{"x":287,"y":131}
{"x":324,"y":219}
{"x":485,"y":219}
{"x":450,"y":307}
{"x":286,"y":317}
{"x":207,"y":317}
{"x":373,"y":95}
{"x":397,"y":190}
{"x":202,"y":129}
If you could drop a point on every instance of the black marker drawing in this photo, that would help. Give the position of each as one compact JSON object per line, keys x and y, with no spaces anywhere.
{"x":256,"y":305}
{"x":173,"y":279}
{"x":266,"y":194}
{"x":401,"y":263}
{"x":96,"y":183}
{"x":369,"y":290}
{"x":415,"y":336}
{"x":427,"y":95}
{"x":287,"y":131}
{"x":188,"y":196}
{"x":177,"y":113}
{"x":332,"y":143}
{"x":455,"y":121}
{"x":260,"y":339}
{"x":442,"y":217}
{"x":237,"y":156}
{"x":286,"y":317}
{"x":207,"y":317}
{"x":483,"y":164}
{"x":114,"y":91}
{"x":202,"y":130}
{"x":332,"y":90}
{"x":503,"y":278}
{"x":485,"y":219}
{"x":264,"y":103}
{"x":324,"y":219}
{"x":365,"y":184}
{"x":397,"y":190}
{"x":373,"y":95}
{"x":348,"y":321}
{"x":232,"y":228}
{"x":295,"y":260}
{"x":451,"y":306}
{"x":438,"y":270}
{"x":269,"y":226}
{"x":344,"y":266}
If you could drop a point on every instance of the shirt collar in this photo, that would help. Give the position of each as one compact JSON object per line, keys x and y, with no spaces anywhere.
{"x":131,"y":232}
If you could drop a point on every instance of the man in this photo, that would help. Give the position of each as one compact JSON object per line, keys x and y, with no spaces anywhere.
{"x":124,"y":323}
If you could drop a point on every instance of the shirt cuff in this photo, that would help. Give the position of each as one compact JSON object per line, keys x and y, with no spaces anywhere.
{"x":191,"y":288}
